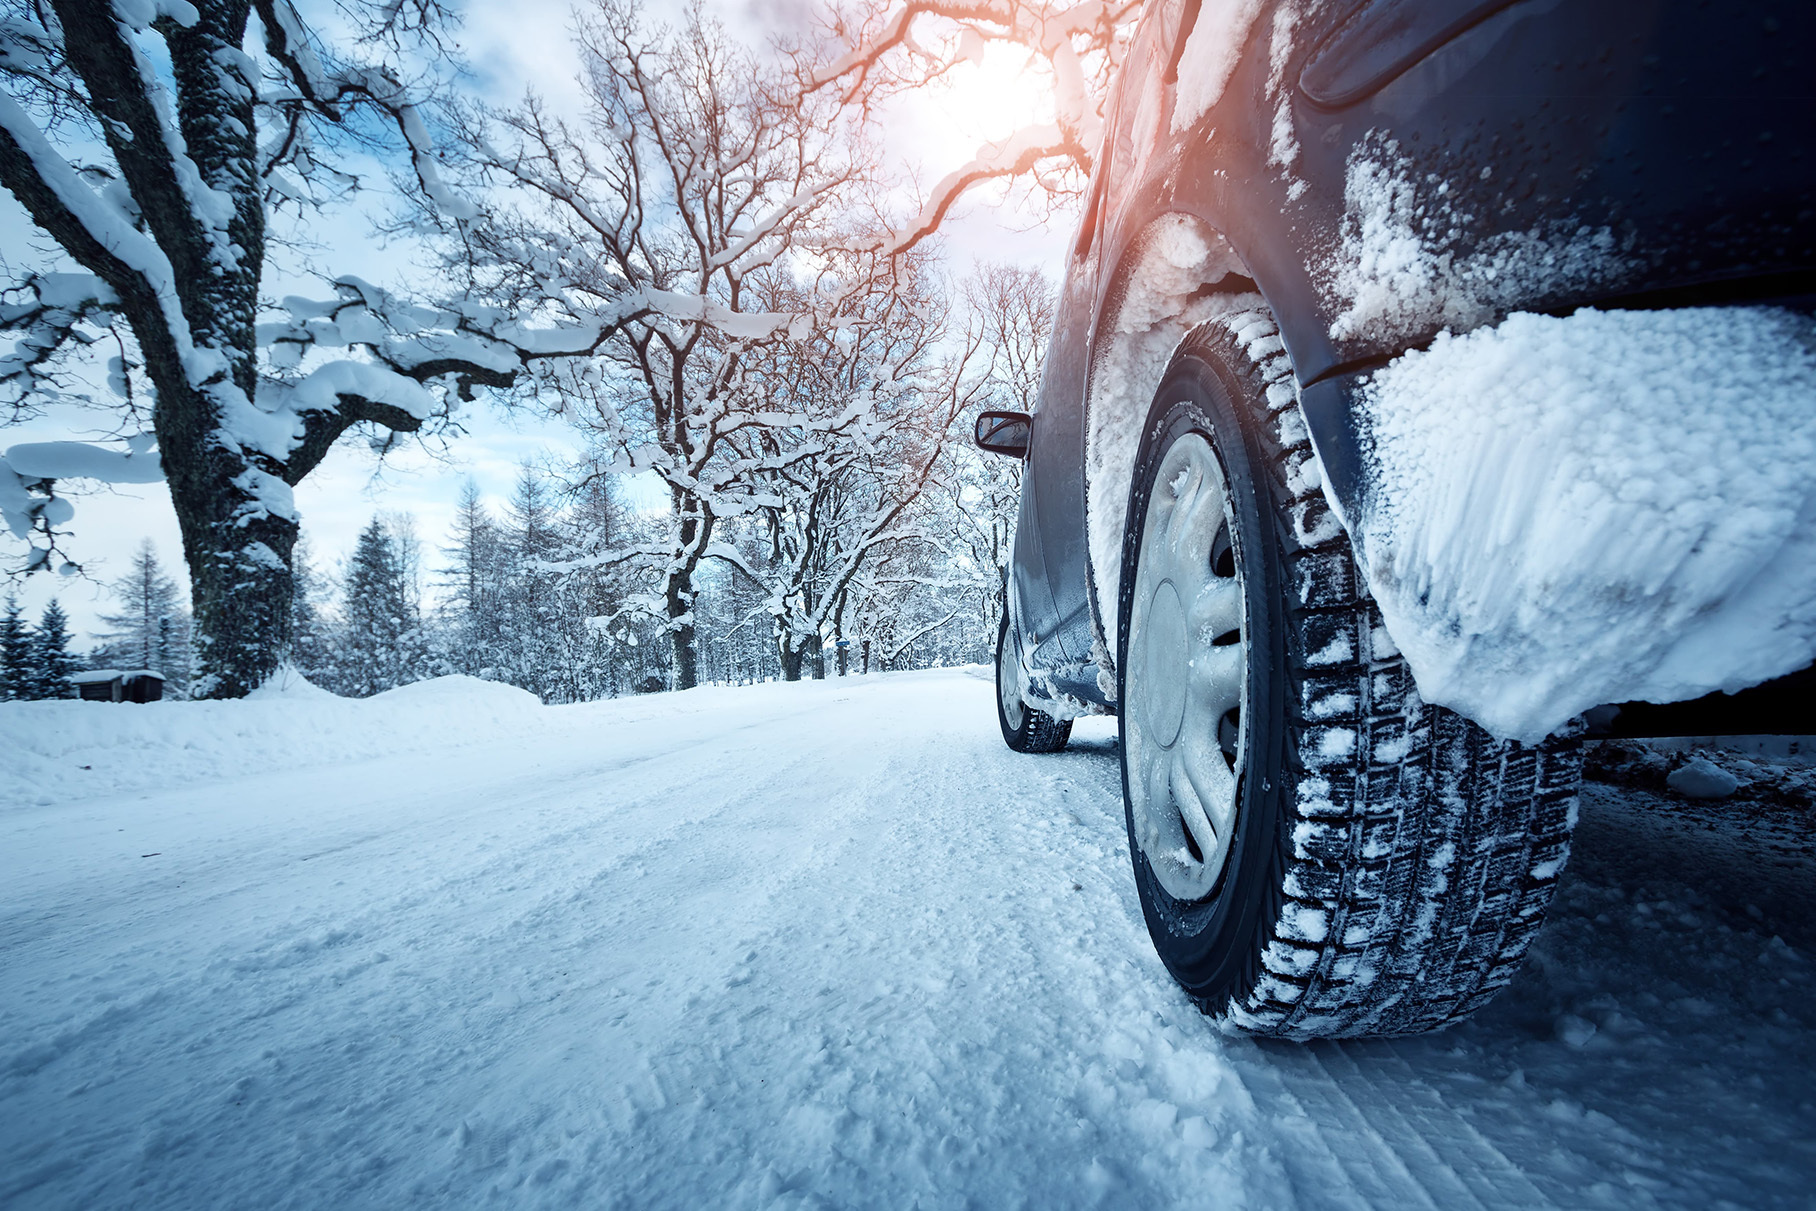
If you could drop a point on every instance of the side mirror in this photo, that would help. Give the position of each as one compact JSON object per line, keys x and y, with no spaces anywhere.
{"x":1004,"y":433}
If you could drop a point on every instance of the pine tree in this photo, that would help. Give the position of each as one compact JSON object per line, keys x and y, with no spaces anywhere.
{"x":151,"y":631}
{"x":52,"y":663}
{"x":15,"y":654}
{"x":376,"y":617}
{"x":309,"y":642}
{"x":532,"y":631}
{"x":592,"y":592}
{"x":474,"y":581}
{"x":421,"y":653}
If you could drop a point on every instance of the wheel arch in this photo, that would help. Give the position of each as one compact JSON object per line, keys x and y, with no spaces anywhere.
{"x":1171,"y":272}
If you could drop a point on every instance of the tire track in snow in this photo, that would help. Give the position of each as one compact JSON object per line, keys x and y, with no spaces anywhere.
{"x":824,"y":945}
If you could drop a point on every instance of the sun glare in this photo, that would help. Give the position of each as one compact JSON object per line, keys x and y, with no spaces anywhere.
{"x":989,"y":98}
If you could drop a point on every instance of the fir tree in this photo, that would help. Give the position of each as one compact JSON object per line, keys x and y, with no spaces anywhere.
{"x":309,"y":641}
{"x":151,"y":631}
{"x":52,"y":663}
{"x":592,"y":594}
{"x":532,"y":614}
{"x":376,"y":617}
{"x":474,"y":583}
{"x":16,"y":680}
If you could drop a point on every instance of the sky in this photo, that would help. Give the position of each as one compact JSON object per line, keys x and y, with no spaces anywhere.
{"x":508,"y":47}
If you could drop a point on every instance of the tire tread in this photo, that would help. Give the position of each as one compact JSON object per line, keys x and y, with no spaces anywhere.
{"x":1418,"y":874}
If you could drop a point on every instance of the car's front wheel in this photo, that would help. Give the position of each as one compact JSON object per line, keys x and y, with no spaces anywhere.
{"x":1318,"y":852}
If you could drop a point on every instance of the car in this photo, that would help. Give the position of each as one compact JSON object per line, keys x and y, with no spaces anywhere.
{"x":1416,"y":365}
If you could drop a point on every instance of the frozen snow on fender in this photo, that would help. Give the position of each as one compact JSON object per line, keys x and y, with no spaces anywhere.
{"x":1606,"y":507}
{"x":1212,"y":51}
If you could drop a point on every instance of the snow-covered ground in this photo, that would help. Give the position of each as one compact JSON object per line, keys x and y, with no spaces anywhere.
{"x":813,"y":945}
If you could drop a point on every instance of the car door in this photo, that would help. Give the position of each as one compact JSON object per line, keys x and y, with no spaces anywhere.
{"x":1056,"y":465}
{"x":1035,"y":611}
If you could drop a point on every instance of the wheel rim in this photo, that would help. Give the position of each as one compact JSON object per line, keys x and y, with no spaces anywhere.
{"x":1008,"y":680}
{"x":1187,"y":677}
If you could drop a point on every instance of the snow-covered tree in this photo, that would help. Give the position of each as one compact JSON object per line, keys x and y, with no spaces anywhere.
{"x":701,"y":170}
{"x":379,"y":643}
{"x":15,"y":654}
{"x":475,"y":587}
{"x":310,"y":640}
{"x":52,"y":663}
{"x":593,"y":622}
{"x":877,"y":399}
{"x":150,"y":629}
{"x":537,"y":657}
{"x":881,"y":48}
{"x":979,"y":494}
{"x":167,"y":148}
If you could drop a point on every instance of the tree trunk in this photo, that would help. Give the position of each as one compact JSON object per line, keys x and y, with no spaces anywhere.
{"x":238,"y":553}
{"x":819,"y":660}
{"x":791,"y":658}
{"x":684,"y":662}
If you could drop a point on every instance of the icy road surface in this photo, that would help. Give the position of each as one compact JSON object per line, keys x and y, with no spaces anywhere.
{"x":813,"y":945}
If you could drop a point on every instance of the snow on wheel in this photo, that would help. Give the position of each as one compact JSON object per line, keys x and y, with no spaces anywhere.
{"x":1026,"y":729}
{"x":1318,"y":851}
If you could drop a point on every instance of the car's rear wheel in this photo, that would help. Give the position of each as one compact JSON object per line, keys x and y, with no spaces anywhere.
{"x":1026,"y":729}
{"x":1318,"y":851}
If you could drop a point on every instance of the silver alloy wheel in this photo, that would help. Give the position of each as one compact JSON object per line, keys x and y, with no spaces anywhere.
{"x":1009,"y":681}
{"x":1186,"y":681}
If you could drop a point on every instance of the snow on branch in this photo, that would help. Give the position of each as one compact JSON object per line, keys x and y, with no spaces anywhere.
{"x":888,"y":47}
{"x":30,"y":507}
{"x":62,"y":309}
{"x":330,"y":90}
{"x":1015,"y":157}
{"x":97,"y":227}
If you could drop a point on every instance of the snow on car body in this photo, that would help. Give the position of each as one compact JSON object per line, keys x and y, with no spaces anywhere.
{"x":1493,"y":317}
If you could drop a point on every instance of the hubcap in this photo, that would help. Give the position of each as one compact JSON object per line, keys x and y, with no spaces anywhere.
{"x":1187,"y":675}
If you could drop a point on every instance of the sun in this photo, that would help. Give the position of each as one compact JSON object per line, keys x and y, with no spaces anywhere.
{"x":997,"y":91}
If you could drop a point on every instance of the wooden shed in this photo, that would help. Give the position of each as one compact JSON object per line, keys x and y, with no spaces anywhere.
{"x":114,"y":685}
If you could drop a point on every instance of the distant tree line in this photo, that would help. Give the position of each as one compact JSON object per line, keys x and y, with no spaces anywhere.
{"x":513,"y":597}
{"x":885,"y":548}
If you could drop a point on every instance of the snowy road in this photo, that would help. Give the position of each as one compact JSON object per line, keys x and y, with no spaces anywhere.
{"x":815,"y":945}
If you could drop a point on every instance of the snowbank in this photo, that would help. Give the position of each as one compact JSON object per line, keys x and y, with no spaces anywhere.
{"x":56,"y":751}
{"x":65,"y":751}
{"x":1607,"y":507}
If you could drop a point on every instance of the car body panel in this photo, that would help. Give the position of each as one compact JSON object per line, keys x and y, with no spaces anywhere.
{"x":1659,"y":151}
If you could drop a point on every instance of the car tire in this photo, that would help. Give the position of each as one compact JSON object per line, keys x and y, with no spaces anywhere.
{"x":1361,"y":862}
{"x":1026,"y":729}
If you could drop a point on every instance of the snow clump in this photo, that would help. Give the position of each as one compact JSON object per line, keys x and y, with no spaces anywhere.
{"x":1410,"y":261}
{"x":1212,"y":51}
{"x":1701,"y":778}
{"x":1165,"y":299}
{"x":1605,"y":507}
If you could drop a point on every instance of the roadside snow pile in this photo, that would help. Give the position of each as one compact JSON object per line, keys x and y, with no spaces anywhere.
{"x":57,"y":751}
{"x":1701,"y":778}
{"x":1757,"y":776}
{"x":1608,"y":507}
